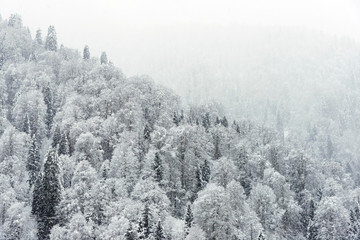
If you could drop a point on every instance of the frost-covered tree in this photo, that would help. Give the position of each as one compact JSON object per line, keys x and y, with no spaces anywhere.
{"x":130,"y":234}
{"x":212,"y":212}
{"x":15,"y":21}
{"x":51,"y":43}
{"x":331,"y":219}
{"x":49,"y":195}
{"x":205,"y":171}
{"x":103,"y":58}
{"x":189,"y":218}
{"x":38,"y":37}
{"x":159,"y":232}
{"x":263,"y":201}
{"x":158,"y":168}
{"x":223,"y":171}
{"x":86,"y":53}
{"x":33,"y":160}
{"x":144,"y":227}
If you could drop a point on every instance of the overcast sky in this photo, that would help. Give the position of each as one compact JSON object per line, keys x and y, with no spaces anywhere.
{"x":80,"y":22}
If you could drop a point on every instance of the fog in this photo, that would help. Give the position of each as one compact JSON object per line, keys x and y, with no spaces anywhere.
{"x":212,"y":119}
{"x":248,"y":56}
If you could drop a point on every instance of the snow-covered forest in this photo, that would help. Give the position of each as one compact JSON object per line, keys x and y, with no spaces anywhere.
{"x":89,"y":153}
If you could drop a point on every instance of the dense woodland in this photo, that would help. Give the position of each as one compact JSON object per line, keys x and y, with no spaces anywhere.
{"x":88,"y":153}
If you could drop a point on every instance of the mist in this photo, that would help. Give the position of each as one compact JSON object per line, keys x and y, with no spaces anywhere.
{"x":186,"y":120}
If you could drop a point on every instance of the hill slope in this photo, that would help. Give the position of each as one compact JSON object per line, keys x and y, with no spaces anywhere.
{"x":88,"y":153}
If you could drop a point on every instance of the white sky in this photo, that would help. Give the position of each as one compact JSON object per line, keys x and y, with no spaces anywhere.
{"x":80,"y":22}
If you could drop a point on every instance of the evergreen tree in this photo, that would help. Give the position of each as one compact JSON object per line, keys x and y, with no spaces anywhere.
{"x":159,"y":232}
{"x":15,"y":21}
{"x":176,"y":119}
{"x":144,"y":228}
{"x":37,"y":202}
{"x":224,"y":122}
{"x":51,"y":39}
{"x":312,"y":231}
{"x":50,"y":109}
{"x":64,"y":146}
{"x":147,"y":132}
{"x":261,"y":236}
{"x":38,"y":37}
{"x":33,"y":162}
{"x":205,"y":171}
{"x":130,"y":235}
{"x":189,"y":218}
{"x":158,"y":168}
{"x":217,"y":153}
{"x":56,"y":138}
{"x":49,"y":196}
{"x":199,"y":180}
{"x":354,"y":228}
{"x":217,"y":121}
{"x":206,"y":121}
{"x":103,"y":58}
{"x":86,"y":53}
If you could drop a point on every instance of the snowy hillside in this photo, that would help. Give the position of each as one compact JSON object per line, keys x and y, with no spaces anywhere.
{"x":89,"y":153}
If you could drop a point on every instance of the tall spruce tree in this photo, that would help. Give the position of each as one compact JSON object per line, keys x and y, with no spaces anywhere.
{"x":354,"y":228}
{"x":205,"y":171}
{"x":38,"y":37}
{"x":51,"y":39}
{"x":130,"y":235}
{"x":189,"y":218}
{"x":224,"y":122}
{"x":103,"y":58}
{"x":158,"y":168}
{"x":50,"y":109}
{"x":144,"y":228}
{"x":159,"y":232}
{"x":86,"y":53}
{"x":206,"y":121}
{"x":33,"y":162}
{"x":48,"y":196}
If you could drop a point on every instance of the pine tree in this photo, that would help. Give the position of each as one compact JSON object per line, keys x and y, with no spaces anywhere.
{"x":312,"y":231}
{"x":354,"y":228}
{"x":147,"y":132}
{"x":86,"y":53}
{"x":199,"y":180}
{"x":189,"y":218}
{"x":205,"y":171}
{"x":130,"y":235}
{"x":224,"y":122}
{"x":261,"y":237}
{"x":38,"y":37}
{"x":33,"y":161}
{"x":206,"y":122}
{"x":159,"y":232}
{"x":157,"y":167}
{"x":50,"y":109}
{"x":64,"y":145}
{"x":217,"y":121}
{"x":144,"y":228}
{"x":103,"y":58}
{"x":15,"y":21}
{"x":217,"y":153}
{"x":176,"y":119}
{"x":37,"y":203}
{"x":51,"y":39}
{"x":56,"y":138}
{"x":49,"y":196}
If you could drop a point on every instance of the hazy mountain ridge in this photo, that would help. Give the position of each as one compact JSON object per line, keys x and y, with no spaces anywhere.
{"x":88,"y":153}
